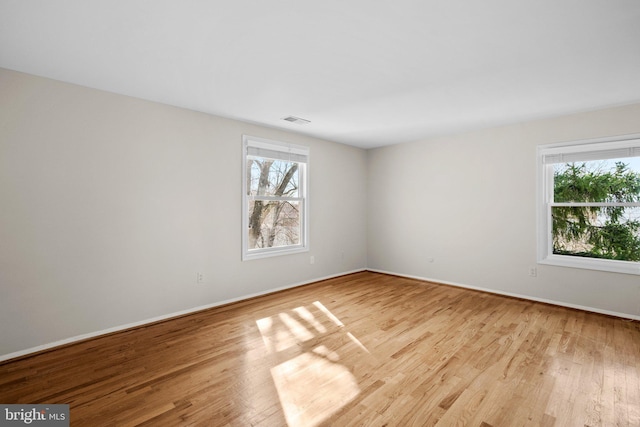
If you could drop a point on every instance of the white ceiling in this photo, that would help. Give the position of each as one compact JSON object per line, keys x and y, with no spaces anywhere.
{"x":364,"y":72}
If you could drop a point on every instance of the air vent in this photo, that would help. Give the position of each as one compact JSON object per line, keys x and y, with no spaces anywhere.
{"x":297,"y":120}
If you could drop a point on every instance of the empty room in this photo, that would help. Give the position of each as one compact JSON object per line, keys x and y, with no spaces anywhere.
{"x":291,"y":213}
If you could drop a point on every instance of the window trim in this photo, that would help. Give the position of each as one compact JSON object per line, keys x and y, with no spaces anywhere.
{"x":296,"y":151}
{"x":544,"y":197}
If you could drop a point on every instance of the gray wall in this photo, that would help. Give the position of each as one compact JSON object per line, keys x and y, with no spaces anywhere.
{"x":468,"y":202}
{"x":110,"y":205}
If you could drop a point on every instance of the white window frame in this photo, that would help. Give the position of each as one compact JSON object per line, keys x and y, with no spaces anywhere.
{"x":585,"y":150}
{"x":301,"y":155}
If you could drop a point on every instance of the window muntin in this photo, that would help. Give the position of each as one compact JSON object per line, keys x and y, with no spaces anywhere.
{"x":274,"y":198}
{"x":589,"y":206}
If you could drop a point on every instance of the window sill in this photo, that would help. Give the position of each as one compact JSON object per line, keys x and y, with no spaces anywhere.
{"x":614,"y":266}
{"x":272,"y":252}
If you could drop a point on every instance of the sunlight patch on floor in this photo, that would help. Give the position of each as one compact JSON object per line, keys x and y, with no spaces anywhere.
{"x":309,"y":317}
{"x":328,"y":313}
{"x":296,"y":328}
{"x":357,"y":342}
{"x":312,"y":388}
{"x":311,"y":381}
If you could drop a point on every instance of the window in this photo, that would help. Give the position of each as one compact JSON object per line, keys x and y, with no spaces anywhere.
{"x":274,"y":202}
{"x":589,"y":204}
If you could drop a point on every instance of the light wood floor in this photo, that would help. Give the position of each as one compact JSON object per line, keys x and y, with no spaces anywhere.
{"x":361,"y":350}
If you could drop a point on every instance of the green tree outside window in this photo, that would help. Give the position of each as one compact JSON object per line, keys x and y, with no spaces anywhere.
{"x":593,"y":220}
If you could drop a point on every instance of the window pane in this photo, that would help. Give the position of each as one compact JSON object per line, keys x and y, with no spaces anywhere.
{"x":273,"y":224}
{"x":615,"y":180}
{"x":267,"y":177}
{"x":597,"y":232}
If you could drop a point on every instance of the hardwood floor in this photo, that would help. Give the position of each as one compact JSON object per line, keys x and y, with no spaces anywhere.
{"x":361,"y":350}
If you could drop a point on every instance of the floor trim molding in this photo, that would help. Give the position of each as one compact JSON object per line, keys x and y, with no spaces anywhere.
{"x":510,"y":294}
{"x":120,"y":328}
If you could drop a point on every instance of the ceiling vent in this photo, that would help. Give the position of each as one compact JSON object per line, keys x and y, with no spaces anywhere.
{"x":297,"y":120}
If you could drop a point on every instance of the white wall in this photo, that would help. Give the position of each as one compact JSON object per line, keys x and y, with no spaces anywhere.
{"x":468,"y":202}
{"x":110,"y":205}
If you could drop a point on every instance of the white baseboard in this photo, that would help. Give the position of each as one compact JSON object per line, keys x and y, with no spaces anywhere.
{"x":509,"y":294}
{"x":163,"y":317}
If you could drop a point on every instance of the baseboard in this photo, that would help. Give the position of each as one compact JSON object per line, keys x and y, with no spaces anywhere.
{"x":510,"y":294}
{"x":120,"y":328}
